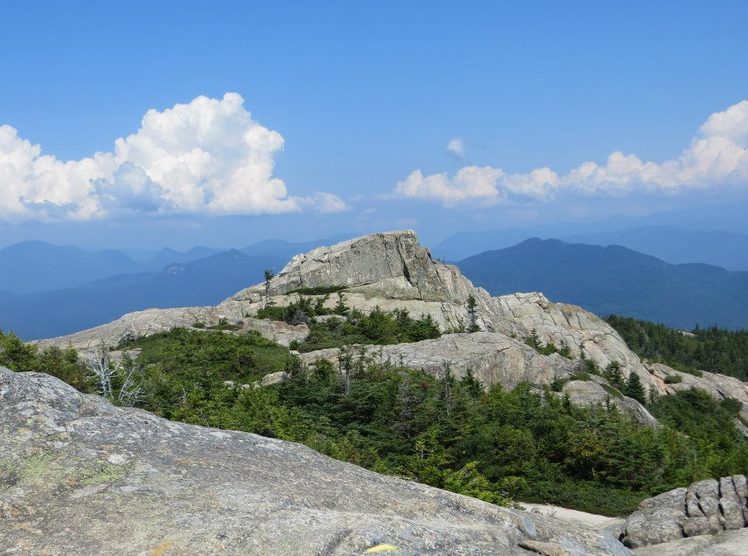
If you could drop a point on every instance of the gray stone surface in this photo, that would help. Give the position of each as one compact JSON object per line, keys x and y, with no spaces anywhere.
{"x":153,"y":321}
{"x":706,"y":507}
{"x":79,"y":476}
{"x":491,"y":357}
{"x":728,"y":543}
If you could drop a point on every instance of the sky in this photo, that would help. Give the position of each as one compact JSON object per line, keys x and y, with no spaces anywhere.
{"x":147,"y":124}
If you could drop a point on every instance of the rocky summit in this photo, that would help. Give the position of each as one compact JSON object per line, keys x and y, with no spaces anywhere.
{"x":393,"y":271}
{"x":79,"y":476}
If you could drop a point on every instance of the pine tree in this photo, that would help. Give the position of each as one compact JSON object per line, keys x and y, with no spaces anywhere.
{"x":472,"y":309}
{"x":634,"y":389}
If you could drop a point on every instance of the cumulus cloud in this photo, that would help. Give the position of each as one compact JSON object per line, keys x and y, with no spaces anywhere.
{"x":204,"y":157}
{"x":324,"y":203}
{"x":456,"y":147}
{"x":716,"y":157}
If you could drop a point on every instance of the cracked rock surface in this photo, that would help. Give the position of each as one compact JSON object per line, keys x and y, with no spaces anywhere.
{"x":706,"y":507}
{"x":79,"y":476}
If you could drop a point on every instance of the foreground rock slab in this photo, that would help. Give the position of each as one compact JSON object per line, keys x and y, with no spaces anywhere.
{"x":79,"y":476}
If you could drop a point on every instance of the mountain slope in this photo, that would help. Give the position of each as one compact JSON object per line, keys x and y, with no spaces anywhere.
{"x":676,"y":245}
{"x":35,"y":266}
{"x":672,"y":243}
{"x":168,"y":256}
{"x":616,"y":280}
{"x":201,"y":282}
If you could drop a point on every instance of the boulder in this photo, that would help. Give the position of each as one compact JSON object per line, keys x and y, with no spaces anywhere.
{"x":79,"y":476}
{"x":706,"y":507}
{"x":492,"y":358}
{"x":592,"y":392}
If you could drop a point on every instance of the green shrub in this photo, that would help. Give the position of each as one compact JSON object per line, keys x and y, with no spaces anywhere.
{"x":673,"y":379}
{"x":377,"y":327}
{"x":712,"y":349}
{"x":319,"y":290}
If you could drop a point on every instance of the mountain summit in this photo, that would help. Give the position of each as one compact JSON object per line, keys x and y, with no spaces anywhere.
{"x":392,"y":271}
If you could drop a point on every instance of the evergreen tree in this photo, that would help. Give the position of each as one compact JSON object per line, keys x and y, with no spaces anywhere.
{"x":634,"y":389}
{"x":472,"y":309}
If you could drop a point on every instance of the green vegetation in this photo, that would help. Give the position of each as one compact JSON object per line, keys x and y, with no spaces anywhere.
{"x":537,"y":344}
{"x":301,"y":311}
{"x":64,"y":364}
{"x":378,"y":327}
{"x":318,"y":290}
{"x":472,"y":309}
{"x":707,"y":349}
{"x":444,"y":431}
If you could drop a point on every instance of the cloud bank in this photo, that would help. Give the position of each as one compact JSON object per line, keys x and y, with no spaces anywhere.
{"x":205,"y":157}
{"x":717,"y":157}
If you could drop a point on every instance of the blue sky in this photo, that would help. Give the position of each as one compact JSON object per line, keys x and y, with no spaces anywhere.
{"x":352,"y":99}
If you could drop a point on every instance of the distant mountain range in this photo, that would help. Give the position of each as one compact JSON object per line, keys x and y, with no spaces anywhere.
{"x":616,"y":280}
{"x":675,"y":245}
{"x":205,"y":281}
{"x":670,"y":243}
{"x":36,"y":266}
{"x":48,"y":290}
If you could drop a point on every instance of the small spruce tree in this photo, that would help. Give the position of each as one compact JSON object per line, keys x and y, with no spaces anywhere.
{"x":634,"y":388}
{"x":472,"y":309}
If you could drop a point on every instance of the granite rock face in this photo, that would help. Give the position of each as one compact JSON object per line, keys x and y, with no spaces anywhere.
{"x":581,"y":331}
{"x":491,"y":358}
{"x":153,"y":321}
{"x":727,"y":543}
{"x":79,"y":476}
{"x":704,"y":508}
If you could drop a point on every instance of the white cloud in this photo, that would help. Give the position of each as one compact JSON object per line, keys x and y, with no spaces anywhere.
{"x":325,"y":203}
{"x":717,"y":157}
{"x":456,"y":147}
{"x":207,"y":156}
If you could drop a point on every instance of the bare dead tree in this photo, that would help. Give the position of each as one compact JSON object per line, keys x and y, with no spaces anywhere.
{"x":100,"y":365}
{"x":130,"y":393}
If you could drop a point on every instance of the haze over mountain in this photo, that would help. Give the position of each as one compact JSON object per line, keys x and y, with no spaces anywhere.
{"x":35,"y":266}
{"x":168,"y":256}
{"x":671,"y":243}
{"x":616,"y":280}
{"x":201,"y":282}
{"x":677,"y":245}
